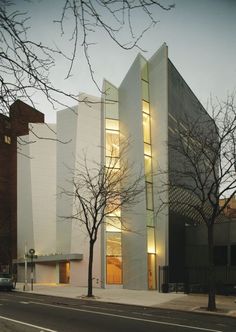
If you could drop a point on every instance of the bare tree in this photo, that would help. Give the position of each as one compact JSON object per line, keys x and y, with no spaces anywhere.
{"x":115,"y":19}
{"x":204,"y":152}
{"x":98,"y":193}
{"x":25,"y":64}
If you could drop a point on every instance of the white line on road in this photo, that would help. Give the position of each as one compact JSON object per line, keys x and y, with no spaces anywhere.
{"x":27,"y":324}
{"x":23,"y":302}
{"x":104,"y":308}
{"x":130,"y":318}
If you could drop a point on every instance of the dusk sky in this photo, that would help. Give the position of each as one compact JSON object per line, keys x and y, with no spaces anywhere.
{"x":201,"y":36}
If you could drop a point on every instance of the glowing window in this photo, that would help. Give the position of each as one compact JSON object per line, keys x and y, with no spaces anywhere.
{"x":151,"y":240}
{"x":113,"y":207}
{"x":145,"y":107}
{"x":146,"y":128}
{"x":112,"y":124}
{"x":145,"y":94}
{"x":112,"y":143}
{"x":147,"y":149}
{"x":113,"y":243}
{"x":113,"y":212}
{"x":112,"y":162}
{"x":113,"y":224}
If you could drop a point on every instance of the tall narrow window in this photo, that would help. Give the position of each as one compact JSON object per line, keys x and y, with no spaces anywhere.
{"x":112,"y":161}
{"x":146,"y":114}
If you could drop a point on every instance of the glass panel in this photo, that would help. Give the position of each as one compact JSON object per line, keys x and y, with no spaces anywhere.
{"x":145,"y":94}
{"x":115,"y":213}
{"x":112,"y":143}
{"x":112,"y":162}
{"x":149,"y":196}
{"x":112,"y":124}
{"x":146,"y":128}
{"x":147,"y":149}
{"x":150,"y":218}
{"x":113,"y":243}
{"x":148,"y":168}
{"x":114,"y":270}
{"x":111,"y":93}
{"x":144,"y":72}
{"x":113,"y":224}
{"x":151,"y":248}
{"x":152,"y":271}
{"x":145,"y":107}
{"x":113,"y":207}
{"x":112,"y":110}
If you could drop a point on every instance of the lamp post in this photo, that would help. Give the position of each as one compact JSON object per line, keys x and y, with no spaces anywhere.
{"x":32,"y":256}
{"x":25,"y":259}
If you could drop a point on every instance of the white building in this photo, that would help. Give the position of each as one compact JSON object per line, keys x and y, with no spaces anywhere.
{"x":144,"y":108}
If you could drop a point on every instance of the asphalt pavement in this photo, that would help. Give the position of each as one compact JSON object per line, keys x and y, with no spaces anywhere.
{"x":226,"y":305}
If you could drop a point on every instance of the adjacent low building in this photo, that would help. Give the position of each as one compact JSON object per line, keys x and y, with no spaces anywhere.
{"x":12,"y":126}
{"x":145,"y":108}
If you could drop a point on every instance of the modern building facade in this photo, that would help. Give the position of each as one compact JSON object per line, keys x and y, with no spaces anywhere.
{"x":11,"y":127}
{"x":144,"y":109}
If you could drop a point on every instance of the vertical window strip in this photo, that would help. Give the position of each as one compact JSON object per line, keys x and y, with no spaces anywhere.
{"x":114,"y":268}
{"x":151,"y":241}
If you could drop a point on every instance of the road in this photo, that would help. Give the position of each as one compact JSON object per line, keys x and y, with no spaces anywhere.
{"x":31,"y":312}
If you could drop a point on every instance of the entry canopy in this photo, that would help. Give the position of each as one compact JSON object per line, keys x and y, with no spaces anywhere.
{"x":54,"y":258}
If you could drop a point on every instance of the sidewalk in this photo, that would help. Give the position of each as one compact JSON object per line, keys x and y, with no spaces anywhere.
{"x":226,"y":305}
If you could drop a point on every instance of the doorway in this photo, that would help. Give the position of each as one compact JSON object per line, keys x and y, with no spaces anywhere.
{"x":152,"y":284}
{"x":64,"y":272}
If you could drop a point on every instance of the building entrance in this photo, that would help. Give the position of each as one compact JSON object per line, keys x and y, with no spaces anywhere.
{"x":152,"y":271}
{"x":64,"y":273}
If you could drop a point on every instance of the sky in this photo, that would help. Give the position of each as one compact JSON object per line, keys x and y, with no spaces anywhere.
{"x":201,"y":37}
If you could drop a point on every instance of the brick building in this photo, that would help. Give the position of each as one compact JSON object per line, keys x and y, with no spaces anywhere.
{"x":12,"y":126}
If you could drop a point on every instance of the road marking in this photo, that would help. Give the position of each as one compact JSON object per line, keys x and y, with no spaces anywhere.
{"x":103,"y":308}
{"x":130,"y":318}
{"x":22,"y":302}
{"x":27,"y":324}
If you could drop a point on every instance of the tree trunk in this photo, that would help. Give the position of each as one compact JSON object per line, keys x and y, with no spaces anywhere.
{"x":90,"y":269}
{"x":211,"y":272}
